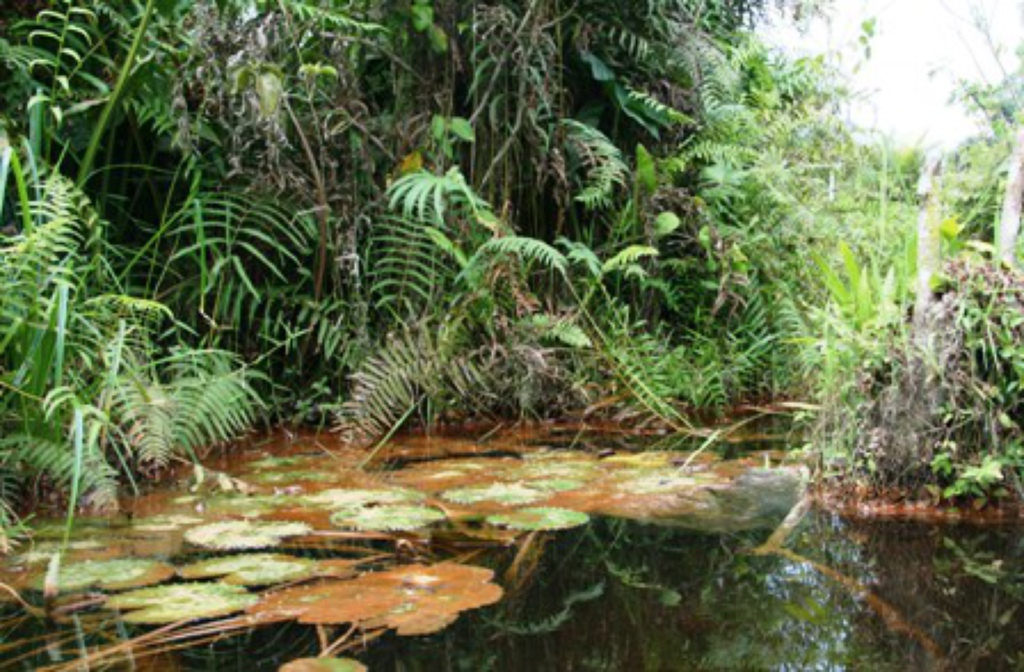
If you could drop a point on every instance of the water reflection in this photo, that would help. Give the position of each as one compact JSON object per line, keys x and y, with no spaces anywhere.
{"x":627,"y":596}
{"x":624,"y":595}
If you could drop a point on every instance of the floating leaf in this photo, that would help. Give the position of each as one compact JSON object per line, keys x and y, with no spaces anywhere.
{"x":167,"y":523}
{"x":260,"y":569}
{"x":502,"y":493}
{"x":557,"y":484}
{"x":341,"y":498}
{"x":181,"y":602}
{"x":414,"y":599}
{"x":289,"y":477}
{"x":658,"y":483}
{"x":323,"y":665}
{"x":245,"y":506}
{"x":243,"y":534}
{"x":42,"y":552}
{"x":388,"y":518}
{"x":275,"y":462}
{"x":540,"y":518}
{"x":119,"y":574}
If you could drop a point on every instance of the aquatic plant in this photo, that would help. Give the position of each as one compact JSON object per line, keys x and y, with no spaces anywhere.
{"x":117,"y":574}
{"x":556,"y":484}
{"x":323,"y":665}
{"x":340,"y":498}
{"x":244,"y":534}
{"x":181,"y":602}
{"x":540,"y":518}
{"x":413,"y":600}
{"x":500,"y":493}
{"x":289,"y":477}
{"x":260,"y":569}
{"x":165,"y":523}
{"x":392,"y":518}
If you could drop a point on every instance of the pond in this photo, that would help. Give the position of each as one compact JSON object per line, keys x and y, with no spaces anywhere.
{"x":548,"y":549}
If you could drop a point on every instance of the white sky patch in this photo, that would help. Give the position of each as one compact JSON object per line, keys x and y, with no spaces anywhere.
{"x":920,"y":50}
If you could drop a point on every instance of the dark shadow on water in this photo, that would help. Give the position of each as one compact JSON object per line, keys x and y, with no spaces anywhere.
{"x":627,"y":596}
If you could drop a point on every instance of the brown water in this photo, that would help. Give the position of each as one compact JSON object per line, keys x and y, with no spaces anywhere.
{"x":669,"y":583}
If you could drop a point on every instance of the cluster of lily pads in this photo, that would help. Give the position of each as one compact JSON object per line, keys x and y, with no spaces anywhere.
{"x":293,"y":499}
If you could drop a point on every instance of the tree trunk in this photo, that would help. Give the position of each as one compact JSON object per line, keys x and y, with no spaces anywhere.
{"x":929,"y":241}
{"x":1009,"y":223}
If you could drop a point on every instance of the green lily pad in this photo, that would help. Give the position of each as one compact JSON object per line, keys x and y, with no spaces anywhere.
{"x":657,"y":483}
{"x":43,"y":551}
{"x":260,"y":569}
{"x":540,"y":518}
{"x":119,"y":574}
{"x":276,"y":462}
{"x":167,"y":523}
{"x":181,"y":602}
{"x":244,"y":534}
{"x":244,"y":506}
{"x":388,"y":518}
{"x":342,"y":498}
{"x":323,"y":665}
{"x":288,"y":477}
{"x":502,"y":493}
{"x":557,"y":484}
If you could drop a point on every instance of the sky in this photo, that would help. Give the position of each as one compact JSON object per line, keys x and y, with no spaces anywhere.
{"x":920,"y":49}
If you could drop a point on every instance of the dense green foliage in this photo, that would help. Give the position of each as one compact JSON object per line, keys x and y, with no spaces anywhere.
{"x":367,"y":214}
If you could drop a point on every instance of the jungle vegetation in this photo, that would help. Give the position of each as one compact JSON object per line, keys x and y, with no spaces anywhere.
{"x":369,"y":215}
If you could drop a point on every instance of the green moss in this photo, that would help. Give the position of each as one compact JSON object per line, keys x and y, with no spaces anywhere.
{"x":181,"y":602}
{"x":388,"y":518}
{"x":540,"y":518}
{"x":244,"y":534}
{"x":260,"y":569}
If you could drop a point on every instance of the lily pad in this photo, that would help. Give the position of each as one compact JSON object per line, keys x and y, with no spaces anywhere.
{"x":119,"y":574}
{"x":413,"y":600}
{"x":244,"y":506}
{"x":181,"y":602}
{"x":43,"y":551}
{"x":244,"y":534}
{"x":274,"y":462}
{"x":260,"y":569}
{"x":288,"y":477}
{"x":540,"y":518}
{"x":659,"y":482}
{"x":501,"y":493}
{"x":388,"y":518}
{"x":342,"y":498}
{"x":167,"y":523}
{"x":323,"y":665}
{"x":557,"y":484}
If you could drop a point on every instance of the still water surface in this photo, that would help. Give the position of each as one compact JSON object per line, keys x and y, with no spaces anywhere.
{"x":624,"y":594}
